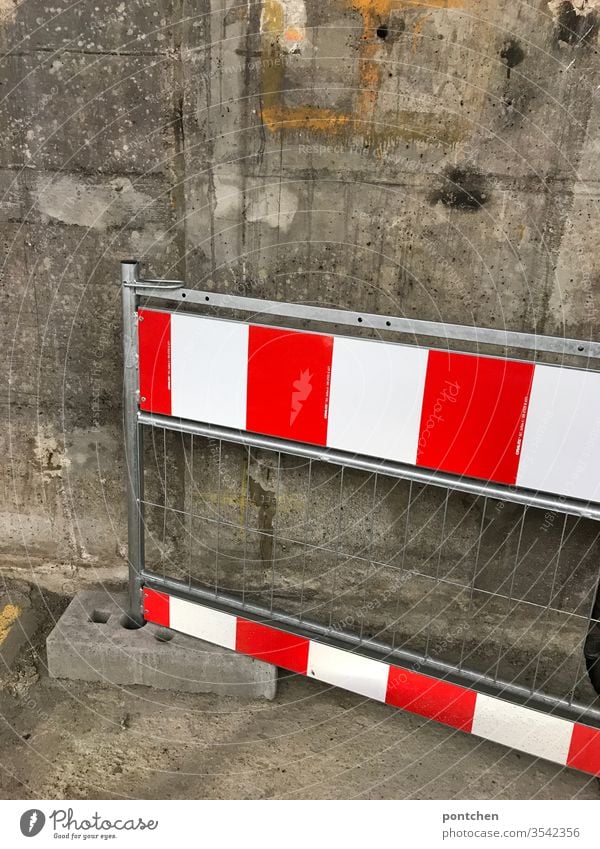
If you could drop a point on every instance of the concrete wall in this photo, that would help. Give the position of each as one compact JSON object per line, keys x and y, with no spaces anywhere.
{"x":434,"y":159}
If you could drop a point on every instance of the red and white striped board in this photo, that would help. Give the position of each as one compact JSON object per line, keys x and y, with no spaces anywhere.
{"x":539,"y":734}
{"x":500,"y":420}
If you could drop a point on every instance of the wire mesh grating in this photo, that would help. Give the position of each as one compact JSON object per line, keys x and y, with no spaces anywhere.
{"x":488,"y":586}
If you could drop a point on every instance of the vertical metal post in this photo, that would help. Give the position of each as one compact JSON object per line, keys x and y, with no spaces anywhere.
{"x":133,"y":441}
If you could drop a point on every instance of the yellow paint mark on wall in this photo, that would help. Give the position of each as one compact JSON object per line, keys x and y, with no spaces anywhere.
{"x":286,"y":21}
{"x":277,"y":117}
{"x":275,"y":114}
{"x":8,"y":617}
{"x":411,"y":125}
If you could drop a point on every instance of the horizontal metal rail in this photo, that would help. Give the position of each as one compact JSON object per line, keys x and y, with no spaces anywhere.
{"x":550,"y":503}
{"x":380,"y":651}
{"x":408,"y":326}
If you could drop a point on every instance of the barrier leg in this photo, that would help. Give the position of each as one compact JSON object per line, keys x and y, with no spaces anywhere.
{"x":133,"y":442}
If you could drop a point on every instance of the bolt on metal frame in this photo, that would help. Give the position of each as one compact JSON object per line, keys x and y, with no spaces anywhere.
{"x":174,"y":295}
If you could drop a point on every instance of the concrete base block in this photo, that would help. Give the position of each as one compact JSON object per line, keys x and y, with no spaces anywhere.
{"x":90,"y":643}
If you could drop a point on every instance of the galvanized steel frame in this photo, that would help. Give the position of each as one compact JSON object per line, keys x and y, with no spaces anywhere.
{"x":134,"y":288}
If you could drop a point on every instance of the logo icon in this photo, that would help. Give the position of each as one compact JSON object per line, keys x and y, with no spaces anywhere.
{"x":302,"y":389}
{"x":32,"y":822}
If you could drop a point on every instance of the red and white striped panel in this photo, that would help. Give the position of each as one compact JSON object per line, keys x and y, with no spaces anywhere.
{"x":500,"y":420}
{"x":541,"y":735}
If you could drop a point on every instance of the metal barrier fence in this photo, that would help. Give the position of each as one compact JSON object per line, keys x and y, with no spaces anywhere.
{"x":467,"y":600}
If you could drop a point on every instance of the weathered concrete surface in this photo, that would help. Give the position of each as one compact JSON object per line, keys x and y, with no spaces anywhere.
{"x":91,"y":642}
{"x":71,"y":739}
{"x":76,"y":740}
{"x":437,"y":160}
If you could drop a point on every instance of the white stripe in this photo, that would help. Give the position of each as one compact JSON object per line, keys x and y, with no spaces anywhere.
{"x":209,"y":370}
{"x":376,"y":398}
{"x":202,"y":622}
{"x":347,"y":670}
{"x":521,"y":728}
{"x":561,"y":443}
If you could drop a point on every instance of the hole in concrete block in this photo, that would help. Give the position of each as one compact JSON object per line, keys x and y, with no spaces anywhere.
{"x":163,"y":635}
{"x":129,"y":623}
{"x":101,"y":617}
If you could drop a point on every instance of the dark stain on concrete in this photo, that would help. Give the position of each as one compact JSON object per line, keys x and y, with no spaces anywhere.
{"x":576,"y":30}
{"x":512,"y":54}
{"x":462,"y":188}
{"x":265,"y":501}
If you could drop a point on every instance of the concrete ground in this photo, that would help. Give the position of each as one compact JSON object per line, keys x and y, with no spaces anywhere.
{"x":62,"y":739}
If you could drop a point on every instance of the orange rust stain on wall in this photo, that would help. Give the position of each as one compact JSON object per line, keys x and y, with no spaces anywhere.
{"x":374,"y":12}
{"x":370,"y":9}
{"x":418,"y":29}
{"x":369,"y":78}
{"x":430,"y":4}
{"x":411,"y":124}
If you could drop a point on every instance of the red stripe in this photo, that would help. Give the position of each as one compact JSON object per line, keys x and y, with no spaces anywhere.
{"x":154,"y":335}
{"x":288,"y":384}
{"x":473,"y":415}
{"x":429,"y":697}
{"x":584,"y":751}
{"x":272,"y":646}
{"x":156,"y":607}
